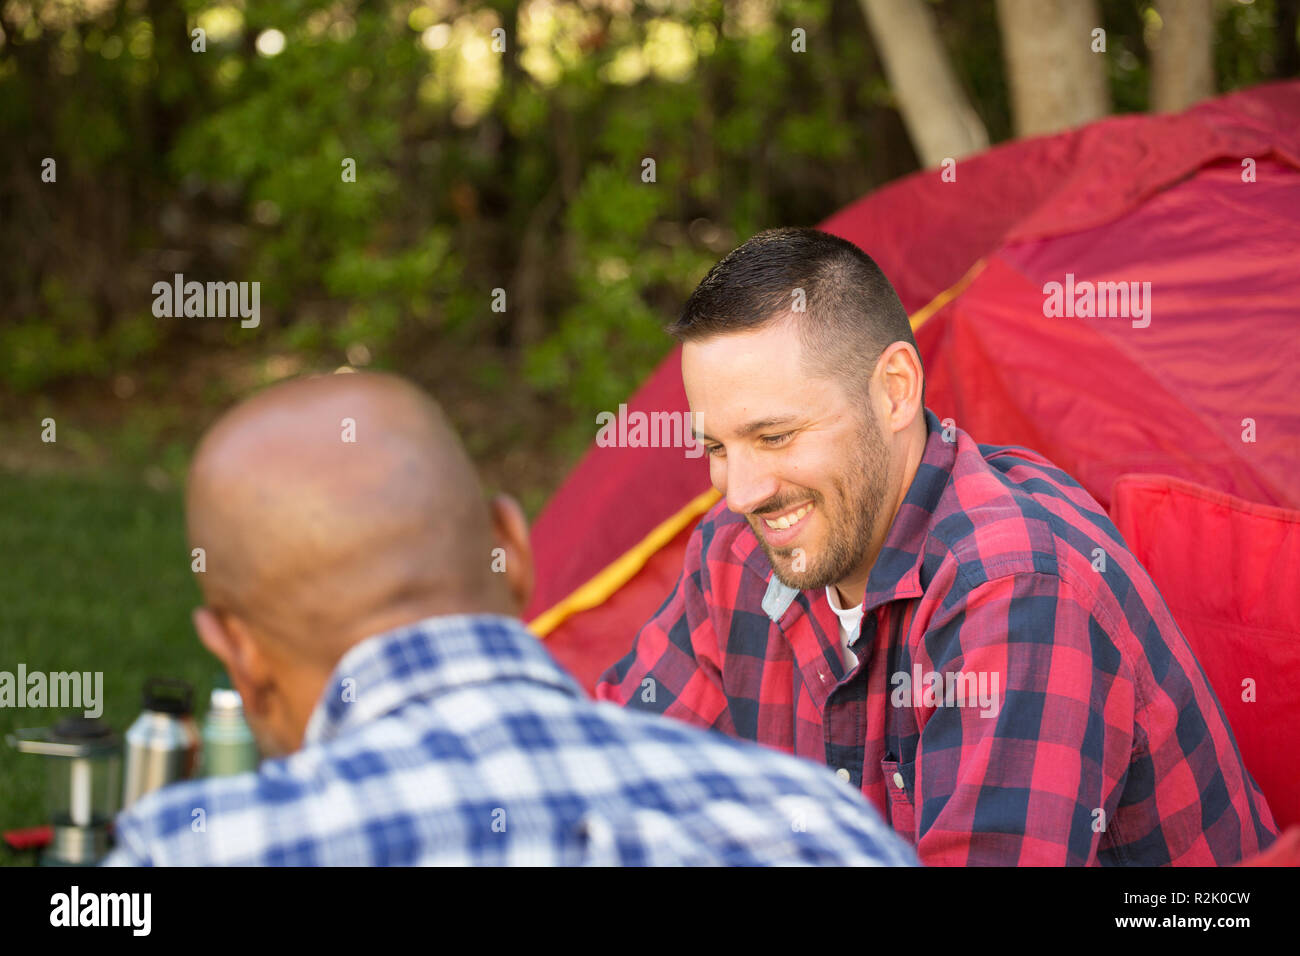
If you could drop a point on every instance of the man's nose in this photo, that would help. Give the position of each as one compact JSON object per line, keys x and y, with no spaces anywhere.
{"x":748,"y":484}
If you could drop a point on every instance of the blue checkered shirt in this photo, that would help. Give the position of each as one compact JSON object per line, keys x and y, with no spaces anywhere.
{"x":459,"y":741}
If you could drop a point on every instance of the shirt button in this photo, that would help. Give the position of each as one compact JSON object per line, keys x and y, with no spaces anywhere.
{"x":843,"y":774}
{"x":898,"y":780}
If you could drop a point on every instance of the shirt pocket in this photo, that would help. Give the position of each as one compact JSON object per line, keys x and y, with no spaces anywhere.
{"x":900,"y":780}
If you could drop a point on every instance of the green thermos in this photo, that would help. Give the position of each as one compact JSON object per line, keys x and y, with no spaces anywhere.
{"x":228,"y":743}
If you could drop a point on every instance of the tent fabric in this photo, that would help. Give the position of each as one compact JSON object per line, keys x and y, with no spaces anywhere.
{"x":600,"y":588}
{"x":586,"y":644}
{"x":1157,"y":199}
{"x":926,"y":233}
{"x":1228,"y":569}
{"x":614,"y":498}
{"x":1098,"y":396}
{"x":1285,"y":852}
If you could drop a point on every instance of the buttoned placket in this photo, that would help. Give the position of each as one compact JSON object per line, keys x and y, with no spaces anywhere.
{"x":838,"y":720}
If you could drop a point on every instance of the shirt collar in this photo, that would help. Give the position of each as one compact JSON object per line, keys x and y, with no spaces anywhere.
{"x":897,"y":572}
{"x":427,"y":658}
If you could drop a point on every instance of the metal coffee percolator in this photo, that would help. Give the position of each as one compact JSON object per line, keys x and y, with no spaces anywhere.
{"x":84,"y":784}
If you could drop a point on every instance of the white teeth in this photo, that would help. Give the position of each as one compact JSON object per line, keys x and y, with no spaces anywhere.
{"x":785,"y":521}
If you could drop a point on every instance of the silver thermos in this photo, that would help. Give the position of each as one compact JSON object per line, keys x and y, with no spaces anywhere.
{"x":162,"y":745}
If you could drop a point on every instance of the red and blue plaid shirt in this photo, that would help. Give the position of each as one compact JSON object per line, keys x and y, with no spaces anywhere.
{"x":1096,"y":740}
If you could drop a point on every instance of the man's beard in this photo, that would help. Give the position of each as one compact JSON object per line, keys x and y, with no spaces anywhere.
{"x":857,"y":497}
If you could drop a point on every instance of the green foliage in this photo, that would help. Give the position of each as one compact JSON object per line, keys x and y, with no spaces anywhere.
{"x":474,"y":170}
{"x":59,"y":343}
{"x":1243,"y":44}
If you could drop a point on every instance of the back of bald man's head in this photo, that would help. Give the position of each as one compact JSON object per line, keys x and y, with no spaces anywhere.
{"x":324,"y":504}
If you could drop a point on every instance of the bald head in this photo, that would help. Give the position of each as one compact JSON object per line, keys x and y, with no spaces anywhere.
{"x":333,"y":507}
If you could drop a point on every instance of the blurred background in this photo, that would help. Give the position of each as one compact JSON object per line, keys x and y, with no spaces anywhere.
{"x":496,"y":146}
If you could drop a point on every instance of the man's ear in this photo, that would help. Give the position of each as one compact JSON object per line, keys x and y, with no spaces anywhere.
{"x":230,"y":642}
{"x":511,"y":530}
{"x":902,"y":380}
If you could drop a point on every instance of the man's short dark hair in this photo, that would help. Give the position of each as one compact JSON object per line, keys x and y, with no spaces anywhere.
{"x":851,"y":312}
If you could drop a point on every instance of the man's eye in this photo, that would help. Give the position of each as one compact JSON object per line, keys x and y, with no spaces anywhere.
{"x":713,"y":451}
{"x":773,"y":441}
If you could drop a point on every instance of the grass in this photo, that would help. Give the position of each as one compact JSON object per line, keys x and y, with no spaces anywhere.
{"x":94,"y":576}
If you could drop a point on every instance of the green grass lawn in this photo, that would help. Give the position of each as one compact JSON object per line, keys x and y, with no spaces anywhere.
{"x":94,"y":576}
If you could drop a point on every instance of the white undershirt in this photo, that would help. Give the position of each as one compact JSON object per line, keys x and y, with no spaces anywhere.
{"x":850,"y":622}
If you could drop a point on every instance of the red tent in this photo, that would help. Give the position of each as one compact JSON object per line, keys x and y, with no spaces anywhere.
{"x":1194,"y":377}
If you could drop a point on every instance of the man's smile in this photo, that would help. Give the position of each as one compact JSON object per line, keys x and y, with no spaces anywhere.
{"x":782,"y":528}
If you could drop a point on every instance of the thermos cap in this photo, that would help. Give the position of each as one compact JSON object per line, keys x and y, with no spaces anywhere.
{"x":223,"y":698}
{"x":77,"y":729}
{"x":168,"y":695}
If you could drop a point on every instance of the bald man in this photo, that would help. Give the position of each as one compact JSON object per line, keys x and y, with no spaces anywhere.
{"x":362,"y":595}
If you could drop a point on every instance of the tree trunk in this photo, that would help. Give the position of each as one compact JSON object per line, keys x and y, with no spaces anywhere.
{"x":1056,"y":79}
{"x":939,"y":118}
{"x":1182,"y":57}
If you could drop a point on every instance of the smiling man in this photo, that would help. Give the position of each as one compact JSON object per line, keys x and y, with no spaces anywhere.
{"x":958,"y":629}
